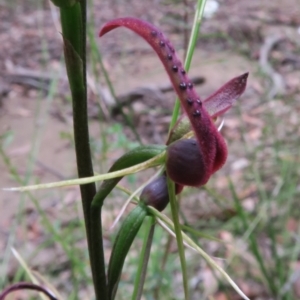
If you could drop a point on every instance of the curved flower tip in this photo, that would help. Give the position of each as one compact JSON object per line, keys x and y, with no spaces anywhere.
{"x":129,"y":22}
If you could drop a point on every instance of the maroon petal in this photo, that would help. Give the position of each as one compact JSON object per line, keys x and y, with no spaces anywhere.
{"x":222,"y":100}
{"x":212,"y":144}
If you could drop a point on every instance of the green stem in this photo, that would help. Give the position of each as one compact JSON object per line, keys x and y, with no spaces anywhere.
{"x":194,"y":33}
{"x":73,"y":21}
{"x":190,"y":52}
{"x":97,"y":250}
{"x":83,"y":43}
{"x":143,"y":262}
{"x":177,"y":229}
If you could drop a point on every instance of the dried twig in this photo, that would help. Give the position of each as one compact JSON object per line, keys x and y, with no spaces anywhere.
{"x":278,"y":84}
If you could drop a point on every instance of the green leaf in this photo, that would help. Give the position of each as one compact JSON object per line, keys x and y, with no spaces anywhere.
{"x":122,"y":244}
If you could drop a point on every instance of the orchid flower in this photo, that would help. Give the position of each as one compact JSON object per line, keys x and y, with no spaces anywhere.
{"x":211,"y":150}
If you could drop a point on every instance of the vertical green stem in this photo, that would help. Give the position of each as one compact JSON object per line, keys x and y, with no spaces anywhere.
{"x":73,"y":21}
{"x":194,"y":33}
{"x":177,"y":229}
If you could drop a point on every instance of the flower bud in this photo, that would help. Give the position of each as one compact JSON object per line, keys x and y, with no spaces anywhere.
{"x":156,"y":193}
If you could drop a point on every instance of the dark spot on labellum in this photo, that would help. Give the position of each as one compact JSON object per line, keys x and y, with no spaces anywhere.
{"x":153,"y":33}
{"x":175,"y":68}
{"x":196,"y":113}
{"x":199,"y":101}
{"x":182,"y":71}
{"x":190,"y":85}
{"x":170,"y":56}
{"x":189,"y":101}
{"x":182,"y":86}
{"x":162,"y":43}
